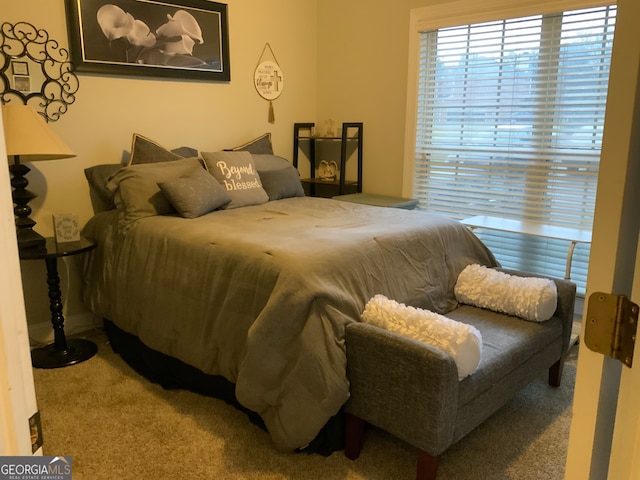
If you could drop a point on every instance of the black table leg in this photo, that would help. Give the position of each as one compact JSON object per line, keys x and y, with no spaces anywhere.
{"x":61,"y":352}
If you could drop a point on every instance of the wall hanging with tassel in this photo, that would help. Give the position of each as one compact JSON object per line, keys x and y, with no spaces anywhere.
{"x":268,"y":78}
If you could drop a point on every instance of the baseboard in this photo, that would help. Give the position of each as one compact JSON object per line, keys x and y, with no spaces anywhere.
{"x":577,"y":319}
{"x":575,"y":332}
{"x":42,"y":333}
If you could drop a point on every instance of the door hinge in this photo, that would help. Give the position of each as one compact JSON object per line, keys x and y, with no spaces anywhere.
{"x":611,"y":325}
{"x":35,"y":427}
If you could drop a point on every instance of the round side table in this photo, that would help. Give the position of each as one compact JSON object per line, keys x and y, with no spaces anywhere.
{"x":61,"y":352}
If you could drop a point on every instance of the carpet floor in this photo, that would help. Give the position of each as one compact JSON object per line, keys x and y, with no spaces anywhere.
{"x":117,"y":425}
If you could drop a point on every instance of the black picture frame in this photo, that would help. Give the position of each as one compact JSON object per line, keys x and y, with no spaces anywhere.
{"x":19,"y":68}
{"x":150,"y":38}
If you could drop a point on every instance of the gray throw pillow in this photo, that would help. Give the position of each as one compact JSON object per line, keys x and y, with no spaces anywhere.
{"x":97,"y":177}
{"x":144,"y":150}
{"x":269,"y":162}
{"x":195,"y":193}
{"x":137,"y":194}
{"x":237,"y":173}
{"x":281,"y":183}
{"x":186,"y":152}
{"x":262,"y":144}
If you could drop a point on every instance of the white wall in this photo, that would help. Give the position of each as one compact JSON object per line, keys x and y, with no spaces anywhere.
{"x":362,"y":77}
{"x":363,"y":59}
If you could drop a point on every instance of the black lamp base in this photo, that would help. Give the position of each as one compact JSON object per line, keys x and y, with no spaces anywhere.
{"x":77,"y":350}
{"x":28,"y":238}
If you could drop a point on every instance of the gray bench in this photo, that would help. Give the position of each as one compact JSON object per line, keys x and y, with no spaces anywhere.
{"x":411,"y":389}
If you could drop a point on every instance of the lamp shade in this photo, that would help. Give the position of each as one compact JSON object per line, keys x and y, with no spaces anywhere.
{"x":28,"y":136}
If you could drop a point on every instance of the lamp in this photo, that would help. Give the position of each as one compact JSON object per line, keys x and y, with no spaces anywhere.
{"x":28,"y":139}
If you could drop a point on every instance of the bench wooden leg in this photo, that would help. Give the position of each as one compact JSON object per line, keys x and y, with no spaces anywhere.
{"x":354,"y":436}
{"x":354,"y":439}
{"x":555,"y":373}
{"x":427,"y":466}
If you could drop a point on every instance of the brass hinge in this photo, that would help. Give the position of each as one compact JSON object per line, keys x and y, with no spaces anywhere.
{"x":611,"y":326}
{"x":35,"y":427}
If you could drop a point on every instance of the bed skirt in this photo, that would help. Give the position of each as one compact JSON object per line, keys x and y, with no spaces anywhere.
{"x":171,"y":373}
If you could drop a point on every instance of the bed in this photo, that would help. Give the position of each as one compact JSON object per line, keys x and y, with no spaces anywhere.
{"x":261,"y":294}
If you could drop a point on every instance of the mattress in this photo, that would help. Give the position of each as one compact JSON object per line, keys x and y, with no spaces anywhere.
{"x":261,"y":294}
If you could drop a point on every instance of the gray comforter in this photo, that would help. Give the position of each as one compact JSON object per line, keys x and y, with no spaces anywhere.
{"x":261,"y":294}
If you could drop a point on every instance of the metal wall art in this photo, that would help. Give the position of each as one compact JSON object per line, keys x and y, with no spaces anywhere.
{"x":35,"y":70}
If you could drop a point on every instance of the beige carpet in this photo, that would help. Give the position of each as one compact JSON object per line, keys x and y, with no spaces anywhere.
{"x":117,"y":425}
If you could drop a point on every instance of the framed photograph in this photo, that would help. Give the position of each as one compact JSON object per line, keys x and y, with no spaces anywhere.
{"x":20,"y":68}
{"x":22,"y":83}
{"x":67,"y":227}
{"x":168,"y":38}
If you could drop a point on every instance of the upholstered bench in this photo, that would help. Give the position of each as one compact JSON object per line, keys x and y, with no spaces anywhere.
{"x":411,"y":389}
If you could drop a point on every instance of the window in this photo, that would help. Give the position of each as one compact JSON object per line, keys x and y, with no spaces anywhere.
{"x":510,"y":117}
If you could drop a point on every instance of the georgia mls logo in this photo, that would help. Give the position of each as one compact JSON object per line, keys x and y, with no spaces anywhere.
{"x":35,"y":468}
{"x":60,"y":466}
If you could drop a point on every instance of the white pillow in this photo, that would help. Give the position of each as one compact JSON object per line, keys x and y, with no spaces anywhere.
{"x":462,"y":342}
{"x":531,"y":298}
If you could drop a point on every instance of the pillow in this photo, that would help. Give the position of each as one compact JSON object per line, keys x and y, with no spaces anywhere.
{"x":282,"y":183}
{"x":237,"y":173}
{"x":137,"y":194}
{"x":186,"y":152}
{"x":195,"y":193}
{"x":262,"y":144}
{"x":269,"y":162}
{"x":531,"y":298}
{"x":97,"y":177}
{"x":462,"y":342}
{"x":144,"y":150}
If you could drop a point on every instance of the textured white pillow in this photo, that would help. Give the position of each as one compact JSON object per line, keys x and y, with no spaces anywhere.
{"x":462,"y":342}
{"x":531,"y":298}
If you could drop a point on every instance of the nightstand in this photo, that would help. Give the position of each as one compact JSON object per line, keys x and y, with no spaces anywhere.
{"x":61,"y":352}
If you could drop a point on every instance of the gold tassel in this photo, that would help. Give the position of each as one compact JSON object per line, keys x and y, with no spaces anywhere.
{"x":272,"y":117}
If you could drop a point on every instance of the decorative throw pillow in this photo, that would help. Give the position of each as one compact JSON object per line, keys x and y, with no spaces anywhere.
{"x":262,"y":144}
{"x":237,"y":173}
{"x":269,"y":162}
{"x":137,"y":194}
{"x":531,"y":298}
{"x":462,"y":342}
{"x":186,"y":152}
{"x":97,"y":177}
{"x":281,"y":183}
{"x":144,"y":150}
{"x":195,"y":193}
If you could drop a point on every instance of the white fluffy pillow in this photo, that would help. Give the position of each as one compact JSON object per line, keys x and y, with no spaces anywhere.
{"x":461,"y":341}
{"x":531,"y":298}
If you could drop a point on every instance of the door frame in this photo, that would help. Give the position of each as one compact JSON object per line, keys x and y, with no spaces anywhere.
{"x":612,"y":263}
{"x":17,"y":391}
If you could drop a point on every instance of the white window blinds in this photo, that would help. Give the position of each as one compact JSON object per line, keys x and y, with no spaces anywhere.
{"x":509,"y":124}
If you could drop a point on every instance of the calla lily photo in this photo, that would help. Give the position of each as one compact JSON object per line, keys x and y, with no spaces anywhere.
{"x":168,"y":38}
